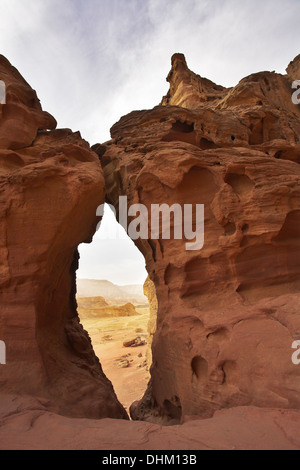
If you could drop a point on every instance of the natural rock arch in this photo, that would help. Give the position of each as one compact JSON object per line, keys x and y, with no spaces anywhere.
{"x":208,"y":307}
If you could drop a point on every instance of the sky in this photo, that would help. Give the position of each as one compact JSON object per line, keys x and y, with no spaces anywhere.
{"x":93,"y":61}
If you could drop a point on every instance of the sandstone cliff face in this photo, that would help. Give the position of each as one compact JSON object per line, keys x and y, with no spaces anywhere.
{"x":50,"y":186}
{"x":228,"y":314}
{"x":150,"y":292}
{"x":293,"y":69}
{"x":241,"y":428}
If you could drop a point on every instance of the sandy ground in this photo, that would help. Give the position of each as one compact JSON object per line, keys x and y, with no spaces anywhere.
{"x":108,"y":336}
{"x":25,"y":424}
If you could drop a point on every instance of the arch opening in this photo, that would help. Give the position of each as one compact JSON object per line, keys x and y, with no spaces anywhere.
{"x":114,"y":309}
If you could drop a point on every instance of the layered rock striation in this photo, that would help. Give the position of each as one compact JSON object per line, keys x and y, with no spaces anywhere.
{"x":150,"y":292}
{"x":228,"y":313}
{"x":50,"y":186}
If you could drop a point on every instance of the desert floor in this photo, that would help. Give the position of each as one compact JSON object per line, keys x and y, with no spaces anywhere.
{"x":25,"y":423}
{"x":125,"y":367}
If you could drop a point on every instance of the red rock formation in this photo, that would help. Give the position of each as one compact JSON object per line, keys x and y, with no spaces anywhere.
{"x":187,"y":89}
{"x":134,"y":343}
{"x":50,"y":186}
{"x":91,"y":302}
{"x":150,"y":292}
{"x":293,"y":69}
{"x":91,"y":308}
{"x":26,"y":425}
{"x":228,"y":314}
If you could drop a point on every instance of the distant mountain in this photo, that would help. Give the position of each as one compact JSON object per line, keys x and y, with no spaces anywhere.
{"x":112,"y":293}
{"x":91,"y":307}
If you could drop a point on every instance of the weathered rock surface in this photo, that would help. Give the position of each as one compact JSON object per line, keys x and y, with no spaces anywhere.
{"x":50,"y":186}
{"x":150,"y":292}
{"x":91,"y":302}
{"x":226,"y":315}
{"x":293,"y":69}
{"x":27,"y":425}
{"x":134,"y":343}
{"x":229,"y":313}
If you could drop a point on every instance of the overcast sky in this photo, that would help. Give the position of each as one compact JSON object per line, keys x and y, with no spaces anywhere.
{"x":92,"y":61}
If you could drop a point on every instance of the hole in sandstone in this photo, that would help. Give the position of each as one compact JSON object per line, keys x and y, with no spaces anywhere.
{"x":183,"y":127}
{"x":114,"y":310}
{"x":245,"y":228}
{"x":200,"y":368}
{"x":206,"y":144}
{"x":292,"y":155}
{"x":181,"y":132}
{"x":230,"y":228}
{"x":172,"y":410}
{"x":233,"y":138}
{"x":257,"y":135}
{"x":230,"y":372}
{"x":241,"y":184}
{"x":290,"y":230}
{"x":219,"y":335}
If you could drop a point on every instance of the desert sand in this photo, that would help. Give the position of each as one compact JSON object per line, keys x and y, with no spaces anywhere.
{"x":126,"y":368}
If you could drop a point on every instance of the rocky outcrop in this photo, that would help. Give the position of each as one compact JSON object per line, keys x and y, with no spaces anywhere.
{"x":26,"y":424}
{"x":228,"y":313}
{"x":134,"y":343}
{"x":23,"y":116}
{"x":92,"y":308}
{"x":91,"y":302}
{"x":293,"y":69}
{"x":189,"y":90}
{"x":149,"y":291}
{"x":50,"y":186}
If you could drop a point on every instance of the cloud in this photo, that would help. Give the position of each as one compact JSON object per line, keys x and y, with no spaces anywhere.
{"x":92,"y":61}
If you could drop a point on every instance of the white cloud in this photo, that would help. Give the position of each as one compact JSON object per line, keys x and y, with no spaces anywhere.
{"x":93,"y":60}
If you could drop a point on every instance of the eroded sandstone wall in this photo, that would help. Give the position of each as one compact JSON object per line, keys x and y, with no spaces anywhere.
{"x":50,"y":186}
{"x":228,"y":314}
{"x":150,"y":293}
